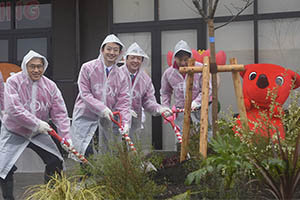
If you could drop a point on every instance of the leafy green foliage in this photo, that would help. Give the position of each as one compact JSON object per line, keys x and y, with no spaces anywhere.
{"x":270,"y":160}
{"x":229,"y":159}
{"x":123,"y":173}
{"x":280,"y":169}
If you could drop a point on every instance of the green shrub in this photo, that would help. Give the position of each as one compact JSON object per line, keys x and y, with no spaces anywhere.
{"x":271,"y":161}
{"x":123,"y":173}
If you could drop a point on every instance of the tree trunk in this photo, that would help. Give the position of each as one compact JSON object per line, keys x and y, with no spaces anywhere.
{"x":213,"y":71}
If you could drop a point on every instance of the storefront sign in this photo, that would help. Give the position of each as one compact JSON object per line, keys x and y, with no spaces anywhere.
{"x":24,"y":10}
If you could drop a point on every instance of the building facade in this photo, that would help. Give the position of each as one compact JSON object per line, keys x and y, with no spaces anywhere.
{"x":69,"y":33}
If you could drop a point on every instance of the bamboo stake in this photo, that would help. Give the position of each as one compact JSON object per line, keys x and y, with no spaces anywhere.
{"x":204,"y":109}
{"x":187,"y":112}
{"x":239,"y":96}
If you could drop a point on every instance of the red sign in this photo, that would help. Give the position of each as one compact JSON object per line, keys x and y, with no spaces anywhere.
{"x":24,"y":10}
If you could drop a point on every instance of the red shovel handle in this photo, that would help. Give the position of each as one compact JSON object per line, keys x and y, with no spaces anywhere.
{"x":118,"y":123}
{"x":175,"y":128}
{"x":125,"y":136}
{"x":70,"y":148}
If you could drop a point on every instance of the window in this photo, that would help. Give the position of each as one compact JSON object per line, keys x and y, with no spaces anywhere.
{"x":25,"y":25}
{"x":177,"y":9}
{"x":37,"y":44}
{"x":231,"y":7}
{"x":33,"y":14}
{"x":269,"y":6}
{"x":5,"y":11}
{"x":133,"y":10}
{"x":4,"y":51}
{"x":280,"y":42}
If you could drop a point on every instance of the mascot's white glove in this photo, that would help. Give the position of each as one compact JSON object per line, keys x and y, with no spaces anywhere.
{"x":44,"y":127}
{"x":133,"y":114}
{"x":107,"y":114}
{"x":195,"y":105}
{"x":125,"y":129}
{"x":166,"y":111}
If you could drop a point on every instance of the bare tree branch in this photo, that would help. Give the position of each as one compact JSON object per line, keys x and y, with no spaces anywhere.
{"x":229,"y":10}
{"x":199,"y":8}
{"x":248,"y":3}
{"x":212,"y":14}
{"x":195,"y":11}
{"x":210,"y":5}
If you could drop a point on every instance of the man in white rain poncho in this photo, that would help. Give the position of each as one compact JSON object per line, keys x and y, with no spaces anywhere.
{"x":30,"y":100}
{"x":141,"y":89}
{"x":102,"y":89}
{"x":174,"y":82}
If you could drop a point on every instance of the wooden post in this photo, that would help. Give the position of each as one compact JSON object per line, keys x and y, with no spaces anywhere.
{"x":221,"y":68}
{"x":239,"y":96}
{"x":213,"y":71}
{"x":187,"y":112}
{"x":190,"y":70}
{"x":204,"y":109}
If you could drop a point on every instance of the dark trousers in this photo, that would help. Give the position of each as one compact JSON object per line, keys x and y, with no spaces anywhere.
{"x":52,"y":162}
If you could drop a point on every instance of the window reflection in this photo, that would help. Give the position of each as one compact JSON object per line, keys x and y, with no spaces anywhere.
{"x":3,"y":50}
{"x":5,"y":15}
{"x":133,"y":10}
{"x":280,"y":42}
{"x":37,"y":44}
{"x":33,"y":14}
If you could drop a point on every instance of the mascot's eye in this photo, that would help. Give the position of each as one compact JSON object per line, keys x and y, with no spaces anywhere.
{"x":252,"y":76}
{"x":279,"y":80}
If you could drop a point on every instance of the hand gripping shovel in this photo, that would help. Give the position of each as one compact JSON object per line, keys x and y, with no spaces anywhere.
{"x":149,"y":166}
{"x":125,"y":136}
{"x":173,"y":117}
{"x":71,"y":149}
{"x":174,"y":126}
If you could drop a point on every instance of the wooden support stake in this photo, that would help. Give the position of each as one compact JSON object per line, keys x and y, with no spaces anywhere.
{"x":190,"y":70}
{"x":221,"y":68}
{"x":239,"y":96}
{"x":204,"y":109}
{"x":187,"y":112}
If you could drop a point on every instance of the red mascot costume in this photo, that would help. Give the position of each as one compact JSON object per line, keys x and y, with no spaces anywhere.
{"x":260,"y":83}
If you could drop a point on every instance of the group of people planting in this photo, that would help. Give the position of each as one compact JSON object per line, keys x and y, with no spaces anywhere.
{"x":31,"y":100}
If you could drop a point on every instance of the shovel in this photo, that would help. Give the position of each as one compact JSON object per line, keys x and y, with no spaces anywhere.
{"x":71,"y":149}
{"x":125,"y":136}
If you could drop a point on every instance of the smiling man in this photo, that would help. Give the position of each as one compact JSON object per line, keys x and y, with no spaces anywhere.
{"x":141,"y":89}
{"x":31,"y":99}
{"x":102,"y":90}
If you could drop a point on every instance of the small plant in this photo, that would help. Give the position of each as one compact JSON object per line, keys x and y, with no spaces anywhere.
{"x":61,"y":187}
{"x":280,"y":168}
{"x":123,"y":173}
{"x":229,"y":159}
